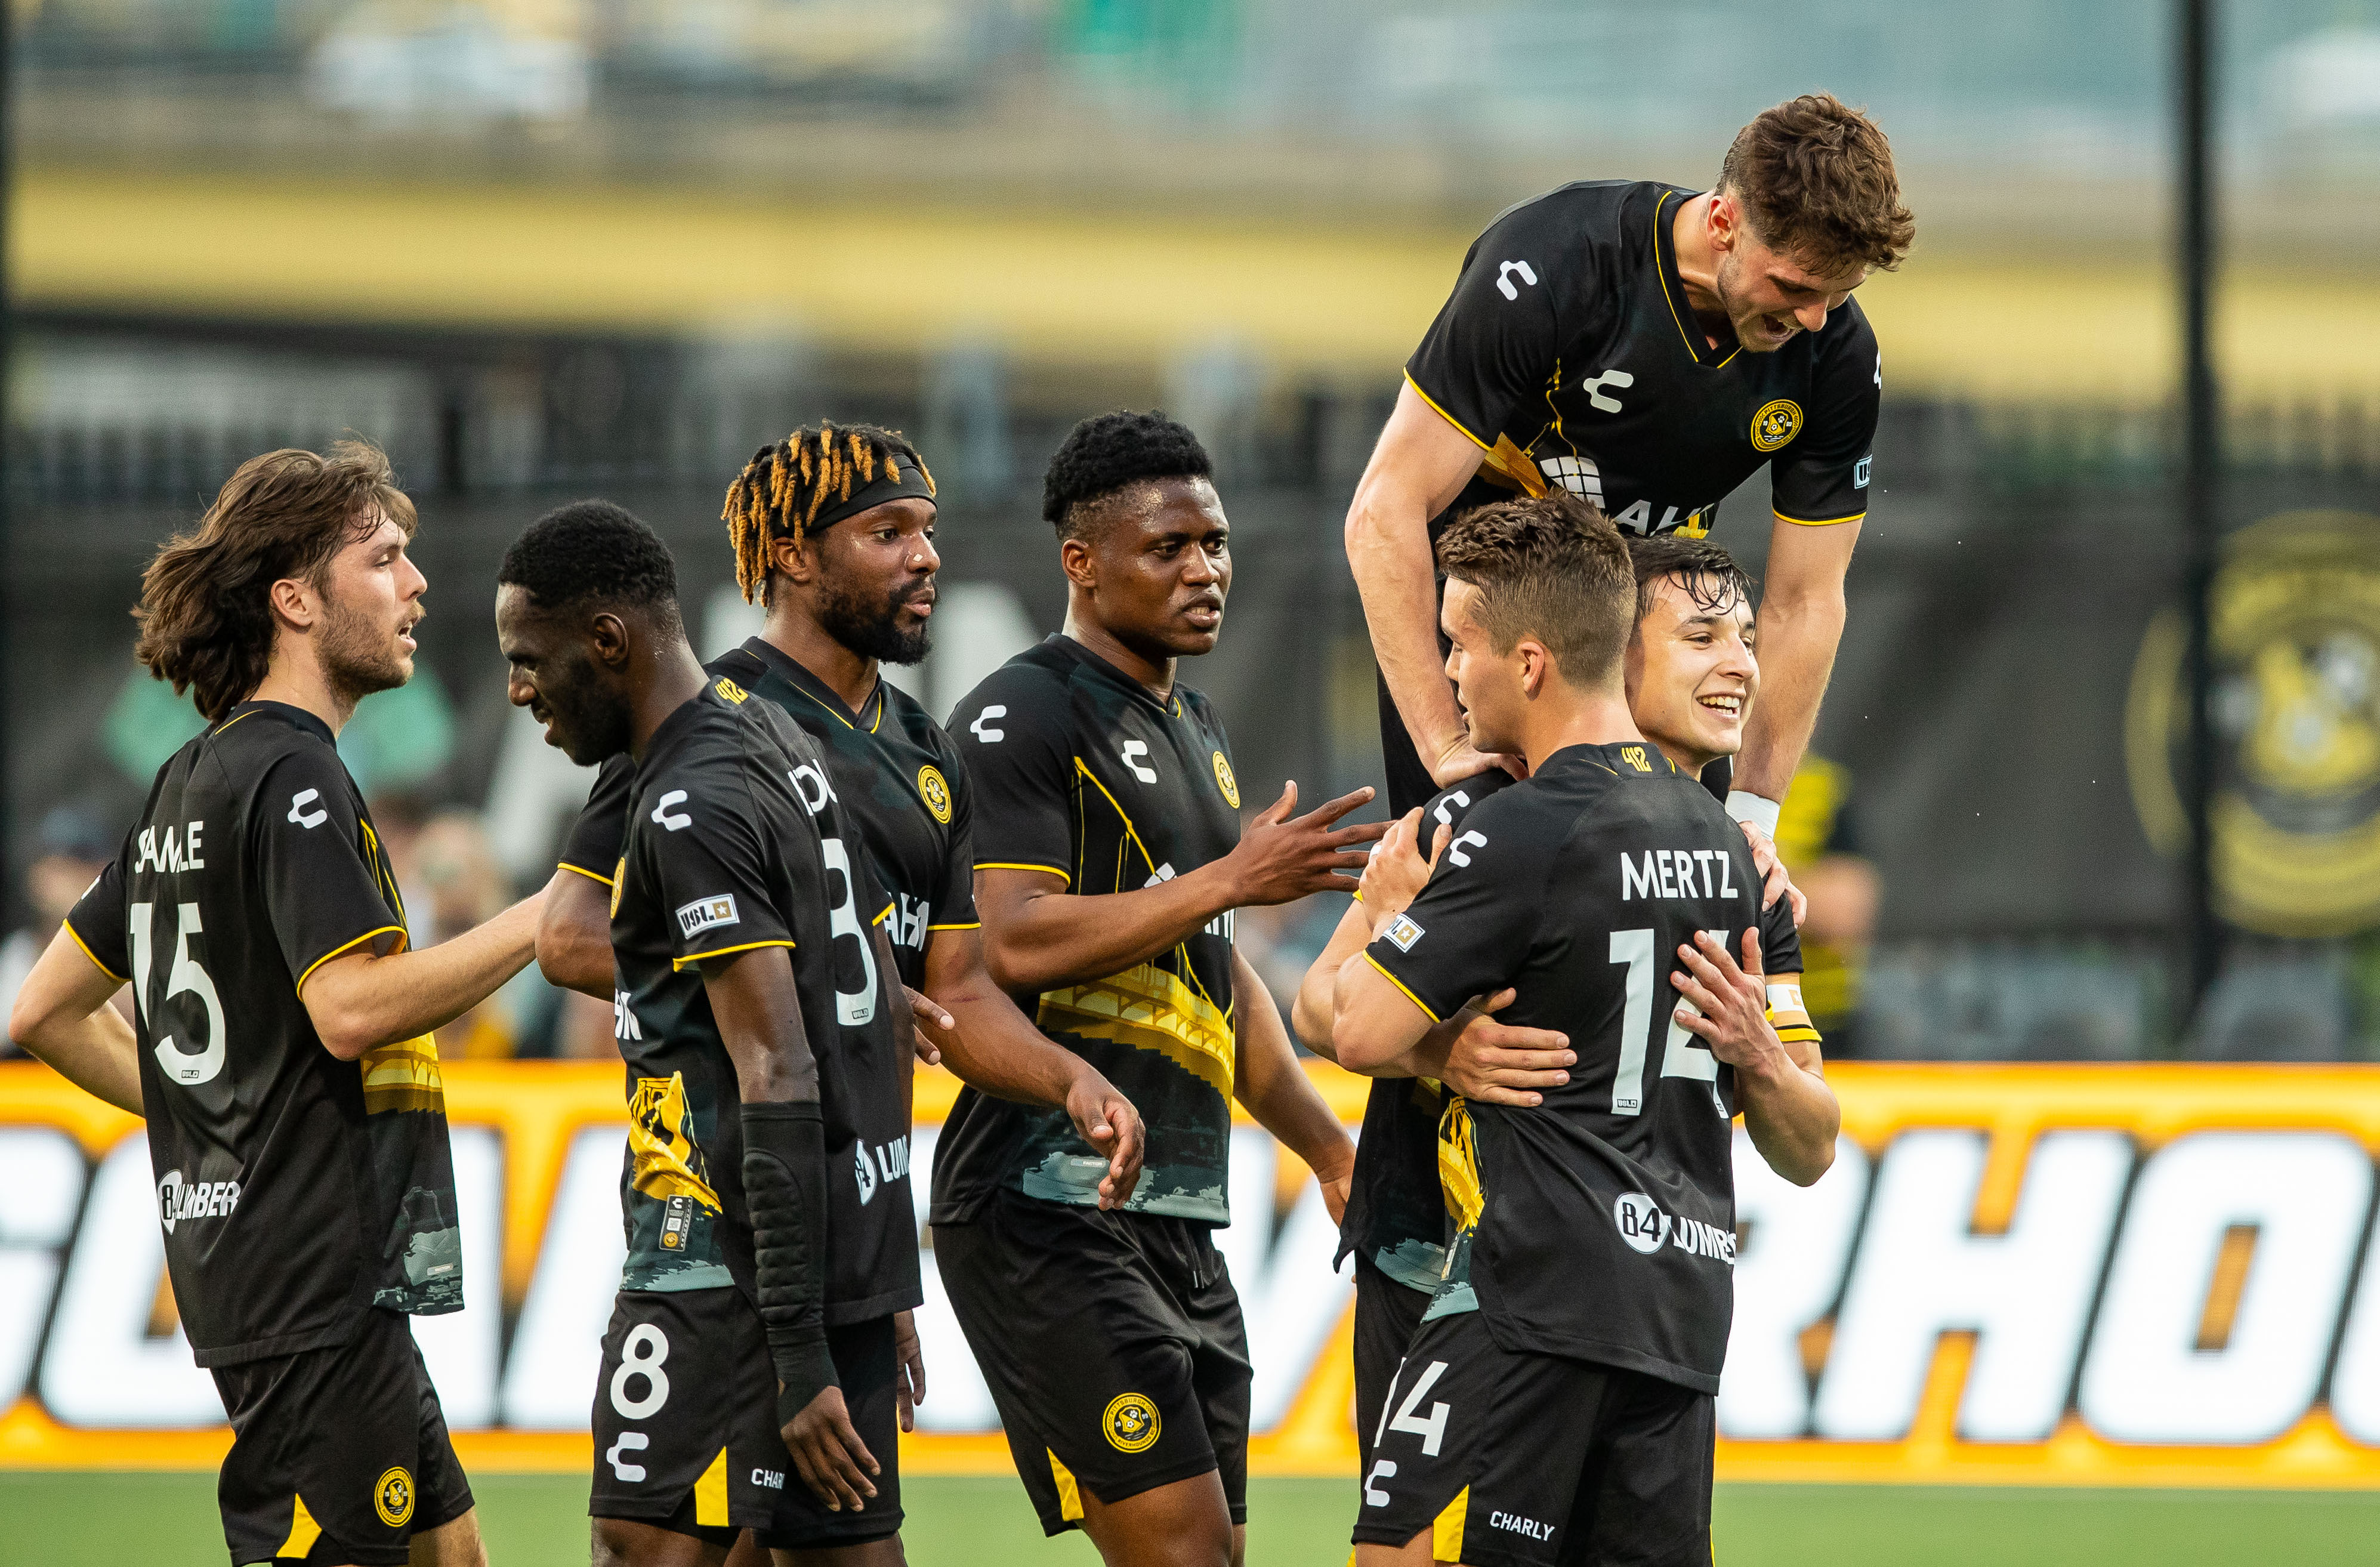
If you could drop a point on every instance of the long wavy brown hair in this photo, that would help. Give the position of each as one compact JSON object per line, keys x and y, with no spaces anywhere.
{"x":205,"y":612}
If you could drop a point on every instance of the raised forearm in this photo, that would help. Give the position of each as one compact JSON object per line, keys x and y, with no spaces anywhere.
{"x":1044,"y":941}
{"x":360,"y":1002}
{"x":574,"y":935}
{"x":1387,"y":549}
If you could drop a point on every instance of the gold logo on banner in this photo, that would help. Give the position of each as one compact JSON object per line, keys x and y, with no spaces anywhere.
{"x":2295,"y":705}
{"x":1131,"y":1422}
{"x":1227,"y":781}
{"x":393,"y":1497}
{"x":935,"y":793}
{"x":1775,"y":424}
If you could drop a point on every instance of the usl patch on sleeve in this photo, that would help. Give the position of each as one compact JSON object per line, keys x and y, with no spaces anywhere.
{"x":1402,"y":933}
{"x":706,"y":914}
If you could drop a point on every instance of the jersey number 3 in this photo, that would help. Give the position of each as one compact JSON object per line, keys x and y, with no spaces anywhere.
{"x":186,"y":978}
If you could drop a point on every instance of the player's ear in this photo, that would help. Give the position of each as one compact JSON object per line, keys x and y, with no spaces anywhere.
{"x":295,"y":602}
{"x":1079,"y":561}
{"x":795,"y":560}
{"x":609,"y":635}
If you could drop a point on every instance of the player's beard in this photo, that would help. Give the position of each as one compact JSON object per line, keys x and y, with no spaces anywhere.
{"x":872,"y":628}
{"x":590,"y":722}
{"x":360,"y":656}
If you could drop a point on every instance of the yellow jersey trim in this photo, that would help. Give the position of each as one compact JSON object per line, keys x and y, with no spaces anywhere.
{"x":1444,"y":415}
{"x":1445,"y":1529}
{"x":350,"y":947}
{"x":227,"y":725}
{"x":678,"y":962}
{"x":885,"y":915}
{"x":1070,"y":1495}
{"x":1816,"y":522}
{"x":1662,"y":275}
{"x":1401,"y":990}
{"x":591,"y":875}
{"x":1014,"y":865}
{"x":710,"y":1495}
{"x":68,"y":926}
{"x":970,"y":925}
{"x":303,"y":1530}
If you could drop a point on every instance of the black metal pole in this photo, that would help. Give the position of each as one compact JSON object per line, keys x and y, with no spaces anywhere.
{"x":2201,"y":474}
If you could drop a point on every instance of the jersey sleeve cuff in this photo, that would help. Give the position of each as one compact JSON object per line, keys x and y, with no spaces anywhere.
{"x":959,"y":925}
{"x":1440,"y":412}
{"x":1403,"y":988}
{"x":345,"y":947}
{"x":68,"y":926}
{"x":1020,"y":865}
{"x":1817,"y":521}
{"x":591,"y":875}
{"x":679,"y":963}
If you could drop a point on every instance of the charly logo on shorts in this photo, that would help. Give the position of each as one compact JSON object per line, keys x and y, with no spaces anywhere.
{"x":1776,"y":423}
{"x":1131,"y":1422}
{"x":1227,"y":781}
{"x":1640,"y":1222}
{"x":393,"y":1497}
{"x":935,"y":793}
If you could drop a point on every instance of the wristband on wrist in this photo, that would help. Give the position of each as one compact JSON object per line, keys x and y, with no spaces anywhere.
{"x":784,"y":1190}
{"x":1759,"y":810}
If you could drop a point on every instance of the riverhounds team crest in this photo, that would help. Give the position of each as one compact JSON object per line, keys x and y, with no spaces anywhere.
{"x":392,"y":1498}
{"x":935,"y":793}
{"x":1227,"y":781}
{"x":1131,"y":1422}
{"x":1777,"y":422}
{"x":2295,"y":705}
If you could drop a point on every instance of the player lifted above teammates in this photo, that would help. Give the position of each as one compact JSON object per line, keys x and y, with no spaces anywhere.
{"x":1691,"y":680}
{"x":833,"y":533}
{"x":1109,"y":861}
{"x":767,"y":1052}
{"x":1556,"y":1404}
{"x":1647,"y":348}
{"x":283,"y":1059}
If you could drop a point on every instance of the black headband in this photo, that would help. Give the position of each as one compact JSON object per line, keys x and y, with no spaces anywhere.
{"x":900,"y":481}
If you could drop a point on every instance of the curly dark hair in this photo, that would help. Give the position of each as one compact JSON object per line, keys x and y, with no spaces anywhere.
{"x":205,"y":610}
{"x":1110,"y":452}
{"x":786,"y":484}
{"x":1703,"y":569}
{"x":1817,"y":178}
{"x":1550,"y":567}
{"x":593,"y":552}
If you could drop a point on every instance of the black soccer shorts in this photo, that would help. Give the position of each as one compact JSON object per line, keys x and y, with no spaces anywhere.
{"x":1514,"y":1459}
{"x":685,"y":1416}
{"x":338,"y":1454}
{"x":867,"y":1367}
{"x":1386,"y":1315}
{"x":1113,"y":1344}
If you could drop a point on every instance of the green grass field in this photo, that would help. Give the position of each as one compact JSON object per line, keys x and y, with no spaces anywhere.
{"x":71,"y":1520}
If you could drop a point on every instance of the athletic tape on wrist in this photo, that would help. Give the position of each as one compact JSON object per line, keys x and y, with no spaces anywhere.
{"x":1759,"y":810}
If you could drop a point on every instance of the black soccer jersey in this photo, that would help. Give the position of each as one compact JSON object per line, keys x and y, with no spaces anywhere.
{"x":1081,"y":772}
{"x":1567,"y":351}
{"x":735,"y":840}
{"x":296,"y":1190}
{"x":1600,"y":1225}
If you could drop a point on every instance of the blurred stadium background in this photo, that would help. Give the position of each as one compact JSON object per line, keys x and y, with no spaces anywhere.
{"x":545,"y":248}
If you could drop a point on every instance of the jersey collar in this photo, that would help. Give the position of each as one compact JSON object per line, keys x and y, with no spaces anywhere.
{"x":310,"y":722}
{"x":1673,"y":287}
{"x":1172,"y":707}
{"x":870,"y":716}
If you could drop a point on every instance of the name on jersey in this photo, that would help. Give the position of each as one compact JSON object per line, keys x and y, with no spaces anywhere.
{"x":1646,"y":1230}
{"x":1677,"y":873}
{"x":177,"y":1199}
{"x":1517,"y":1525}
{"x":177,"y":850}
{"x":890,"y":1163}
{"x":706,"y":914}
{"x":906,"y":926}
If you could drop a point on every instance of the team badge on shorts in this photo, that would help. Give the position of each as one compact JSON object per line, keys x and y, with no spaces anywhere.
{"x":1227,"y":781}
{"x":393,"y":1497}
{"x":1776,"y":423}
{"x":935,"y":793}
{"x":1131,"y":1422}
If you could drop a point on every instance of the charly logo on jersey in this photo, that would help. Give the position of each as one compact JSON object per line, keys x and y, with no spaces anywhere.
{"x":1593,"y":385}
{"x":2295,"y":705}
{"x":300,"y":813}
{"x":984,"y":729}
{"x":935,"y":792}
{"x":1134,"y":753}
{"x":1509,"y":269}
{"x":675,"y":820}
{"x":706,"y":914}
{"x":1640,"y":1222}
{"x":1402,"y":933}
{"x":179,"y":1199}
{"x":1777,"y":421}
{"x":1227,"y":781}
{"x":1131,"y":1424}
{"x":1860,"y":469}
{"x":890,"y":1163}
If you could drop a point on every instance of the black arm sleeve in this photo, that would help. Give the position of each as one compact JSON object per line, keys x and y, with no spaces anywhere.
{"x":593,"y":848}
{"x":784,"y":1188}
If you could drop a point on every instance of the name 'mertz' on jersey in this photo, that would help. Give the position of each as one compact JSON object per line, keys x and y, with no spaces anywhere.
{"x":1676,"y":873}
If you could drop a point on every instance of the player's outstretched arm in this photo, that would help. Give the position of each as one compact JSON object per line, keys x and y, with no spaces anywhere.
{"x":1278,"y":1093}
{"x":1802,"y":614}
{"x":61,"y":1016}
{"x":1421,"y":463}
{"x":995,"y":1048}
{"x":1037,"y":936}
{"x":362,"y":1001}
{"x":1787,"y":1108}
{"x":574,"y":934}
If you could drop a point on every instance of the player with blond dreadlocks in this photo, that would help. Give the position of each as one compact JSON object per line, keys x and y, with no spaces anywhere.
{"x":833,"y":533}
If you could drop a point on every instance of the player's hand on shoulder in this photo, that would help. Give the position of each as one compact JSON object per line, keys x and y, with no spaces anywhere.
{"x":1774,"y":881}
{"x":1494,"y":1063}
{"x":1281,"y":858}
{"x":1726,"y":1004}
{"x":829,"y":1455}
{"x":1460,"y":762}
{"x":1398,"y":869}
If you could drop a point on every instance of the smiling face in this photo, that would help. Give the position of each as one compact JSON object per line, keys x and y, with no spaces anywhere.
{"x":569,"y":671}
{"x":1158,"y":569}
{"x":1770,"y":297}
{"x":872,"y":577}
{"x":372,"y":595}
{"x":1691,"y":675}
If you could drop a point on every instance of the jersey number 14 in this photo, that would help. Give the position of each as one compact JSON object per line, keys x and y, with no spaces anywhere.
{"x":1682,"y":1055}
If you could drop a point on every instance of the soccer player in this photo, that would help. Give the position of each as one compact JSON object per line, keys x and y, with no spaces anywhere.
{"x":766,"y":1070}
{"x":1690,"y":679}
{"x":1646,"y":347}
{"x":1109,"y":861}
{"x":1556,"y":1404}
{"x":832,"y":530}
{"x":284,"y":1058}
